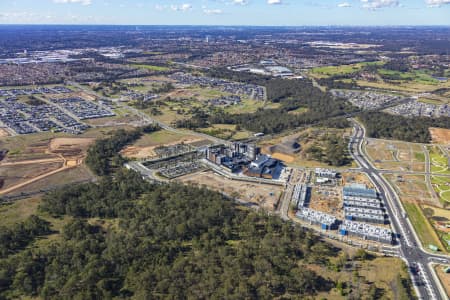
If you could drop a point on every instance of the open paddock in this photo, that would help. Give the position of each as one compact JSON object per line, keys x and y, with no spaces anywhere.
{"x":409,"y":86}
{"x":112,"y":121}
{"x":145,"y":147}
{"x":226,"y":131}
{"x":38,"y":143}
{"x":264,"y":195}
{"x":18,"y":211}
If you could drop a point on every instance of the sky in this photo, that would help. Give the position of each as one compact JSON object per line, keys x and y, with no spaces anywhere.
{"x":227,"y":12}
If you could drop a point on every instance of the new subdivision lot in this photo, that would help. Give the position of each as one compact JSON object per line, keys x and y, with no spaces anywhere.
{"x":411,"y":188}
{"x":396,"y":155}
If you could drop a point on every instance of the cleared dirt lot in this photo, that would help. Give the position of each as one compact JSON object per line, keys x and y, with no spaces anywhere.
{"x":62,"y":178}
{"x":40,"y":160}
{"x":58,"y":144}
{"x":327,"y":200}
{"x":144,"y":147}
{"x":262,"y":194}
{"x":353,"y":177}
{"x":15,"y":174}
{"x":440,"y":135}
{"x":411,"y":188}
{"x":3,"y":132}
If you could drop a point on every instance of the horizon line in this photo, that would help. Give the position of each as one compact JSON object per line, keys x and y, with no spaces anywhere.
{"x":228,"y":25}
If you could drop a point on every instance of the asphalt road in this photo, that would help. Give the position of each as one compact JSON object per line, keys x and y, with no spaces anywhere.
{"x":424,"y":279}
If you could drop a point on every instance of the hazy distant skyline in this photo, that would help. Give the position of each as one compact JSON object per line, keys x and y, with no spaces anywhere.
{"x":226,"y":12}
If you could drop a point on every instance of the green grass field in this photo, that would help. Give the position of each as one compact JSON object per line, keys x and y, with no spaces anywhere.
{"x":419,"y":156}
{"x":226,"y":131}
{"x":442,"y":187}
{"x":341,"y":70}
{"x":246,"y":106}
{"x":439,"y":162}
{"x":150,"y":67}
{"x":416,"y":76}
{"x":423,"y":228}
{"x":431,"y":101}
{"x":20,"y":210}
{"x":161,"y":137}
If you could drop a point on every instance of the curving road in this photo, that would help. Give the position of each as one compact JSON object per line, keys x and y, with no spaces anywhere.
{"x":426,"y":284}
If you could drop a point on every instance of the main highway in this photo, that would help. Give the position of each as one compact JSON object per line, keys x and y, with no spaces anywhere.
{"x":424,"y":279}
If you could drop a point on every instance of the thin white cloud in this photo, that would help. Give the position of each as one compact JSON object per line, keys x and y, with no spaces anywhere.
{"x":240,"y":2}
{"x":437,"y":3}
{"x":216,"y":11}
{"x":274,"y":2}
{"x":82,"y":2}
{"x":344,"y":5}
{"x":181,"y":7}
{"x":378,"y":4}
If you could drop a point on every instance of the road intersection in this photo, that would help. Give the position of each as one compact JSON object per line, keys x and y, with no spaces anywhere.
{"x":420,"y":262}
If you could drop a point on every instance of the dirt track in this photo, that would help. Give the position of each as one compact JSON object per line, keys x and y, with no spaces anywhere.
{"x":29,"y":162}
{"x":70,"y":152}
{"x":66,"y":166}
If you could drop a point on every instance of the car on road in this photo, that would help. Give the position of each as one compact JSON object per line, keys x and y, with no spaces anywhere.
{"x":414,"y":269}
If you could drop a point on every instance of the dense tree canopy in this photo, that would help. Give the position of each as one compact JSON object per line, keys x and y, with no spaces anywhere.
{"x":103,"y":156}
{"x":318,"y":107}
{"x":22,"y":234}
{"x":167,"y":242}
{"x":383,"y":125}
